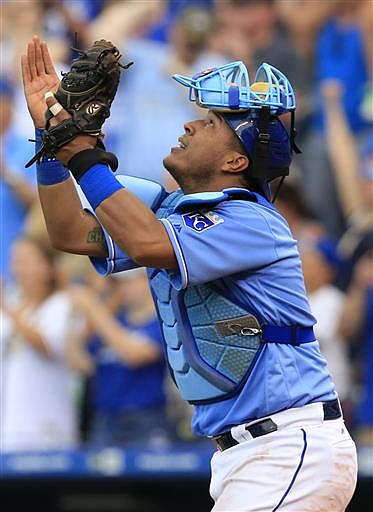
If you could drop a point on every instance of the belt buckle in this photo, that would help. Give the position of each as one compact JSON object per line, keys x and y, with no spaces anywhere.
{"x":216,"y":439}
{"x":225,"y":441}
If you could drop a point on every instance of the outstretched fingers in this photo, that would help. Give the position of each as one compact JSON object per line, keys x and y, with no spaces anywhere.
{"x":31,"y":59}
{"x":26,"y":74}
{"x":39,"y":62}
{"x":48,"y":64}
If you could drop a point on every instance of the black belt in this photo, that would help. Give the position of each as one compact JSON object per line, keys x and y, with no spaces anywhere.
{"x":332,"y":411}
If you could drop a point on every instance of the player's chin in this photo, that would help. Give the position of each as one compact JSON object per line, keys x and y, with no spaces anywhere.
{"x":172,"y":161}
{"x":174,"y":167}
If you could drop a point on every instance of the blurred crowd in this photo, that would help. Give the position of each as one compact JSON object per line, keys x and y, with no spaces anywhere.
{"x":81,"y":355}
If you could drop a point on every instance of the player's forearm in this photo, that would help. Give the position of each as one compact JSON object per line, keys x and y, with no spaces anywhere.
{"x":68,"y":225}
{"x":131,"y":223}
{"x":136,"y":229}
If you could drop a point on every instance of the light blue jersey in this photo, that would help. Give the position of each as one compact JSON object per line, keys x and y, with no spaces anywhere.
{"x":237,"y":245}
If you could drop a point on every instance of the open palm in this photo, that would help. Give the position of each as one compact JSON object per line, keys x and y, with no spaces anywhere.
{"x":39,"y":76}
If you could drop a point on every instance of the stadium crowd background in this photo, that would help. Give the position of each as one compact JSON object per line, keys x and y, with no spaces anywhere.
{"x":81,"y":361}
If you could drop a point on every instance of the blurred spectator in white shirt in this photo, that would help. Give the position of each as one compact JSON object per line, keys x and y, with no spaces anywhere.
{"x":38,"y":410}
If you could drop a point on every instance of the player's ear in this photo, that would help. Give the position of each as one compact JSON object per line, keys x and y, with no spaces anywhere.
{"x":235,"y":162}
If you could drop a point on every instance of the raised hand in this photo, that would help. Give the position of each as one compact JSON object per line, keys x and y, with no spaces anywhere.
{"x":39,"y":76}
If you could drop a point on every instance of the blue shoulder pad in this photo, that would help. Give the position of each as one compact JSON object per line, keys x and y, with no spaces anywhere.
{"x":201,"y":198}
{"x":213,"y":198}
{"x":150,"y":192}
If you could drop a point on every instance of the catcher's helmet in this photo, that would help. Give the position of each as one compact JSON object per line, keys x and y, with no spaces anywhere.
{"x":252,"y":112}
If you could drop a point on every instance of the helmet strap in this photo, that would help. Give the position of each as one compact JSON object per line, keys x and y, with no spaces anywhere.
{"x":293,"y":134}
{"x":274,"y":196}
{"x":261,"y":148}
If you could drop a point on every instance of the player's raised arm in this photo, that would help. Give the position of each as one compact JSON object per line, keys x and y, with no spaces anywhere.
{"x":69,"y":227}
{"x":131,"y":223}
{"x":75,"y":114}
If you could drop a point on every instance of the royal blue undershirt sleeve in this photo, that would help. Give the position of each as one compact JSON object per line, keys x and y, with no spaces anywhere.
{"x":49,"y":171}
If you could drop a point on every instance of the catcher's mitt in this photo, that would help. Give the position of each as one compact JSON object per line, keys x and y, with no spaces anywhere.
{"x":86,"y":92}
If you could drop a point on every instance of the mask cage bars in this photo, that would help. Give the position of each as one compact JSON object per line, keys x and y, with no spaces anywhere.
{"x":227,"y":88}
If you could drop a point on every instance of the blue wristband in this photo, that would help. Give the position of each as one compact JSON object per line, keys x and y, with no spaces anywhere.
{"x":99,"y":183}
{"x":49,"y":171}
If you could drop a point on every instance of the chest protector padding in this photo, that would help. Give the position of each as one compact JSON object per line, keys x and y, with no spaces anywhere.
{"x":231,"y":355}
{"x":206,"y":365}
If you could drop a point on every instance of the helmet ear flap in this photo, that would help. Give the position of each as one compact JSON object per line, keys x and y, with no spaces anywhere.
{"x":267,"y":142}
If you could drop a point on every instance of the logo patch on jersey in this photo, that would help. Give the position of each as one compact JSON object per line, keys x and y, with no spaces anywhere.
{"x":201,"y":221}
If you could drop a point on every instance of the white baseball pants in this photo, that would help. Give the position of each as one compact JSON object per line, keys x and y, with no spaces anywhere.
{"x":308,"y":465}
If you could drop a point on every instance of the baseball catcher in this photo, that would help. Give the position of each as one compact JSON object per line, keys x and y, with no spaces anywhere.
{"x":226,"y":278}
{"x":86,"y":91}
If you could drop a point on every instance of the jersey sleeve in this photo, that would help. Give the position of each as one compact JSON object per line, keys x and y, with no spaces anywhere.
{"x":233,"y":237}
{"x":150,"y":193}
{"x":116,"y":261}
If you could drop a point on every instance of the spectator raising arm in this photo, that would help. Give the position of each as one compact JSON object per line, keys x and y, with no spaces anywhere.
{"x":133,"y":349}
{"x":23,"y":327}
{"x":303,"y":18}
{"x":23,"y":191}
{"x":342,"y":148}
{"x":118,"y":20}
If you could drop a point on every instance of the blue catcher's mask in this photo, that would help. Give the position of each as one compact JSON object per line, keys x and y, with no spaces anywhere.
{"x":251,"y":111}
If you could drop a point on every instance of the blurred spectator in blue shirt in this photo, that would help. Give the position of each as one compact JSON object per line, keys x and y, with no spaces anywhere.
{"x":353,"y":171}
{"x":17,"y":185}
{"x":69,"y":20}
{"x":124,"y":357}
{"x":352,"y":167}
{"x":340,"y":56}
{"x":161,"y":30}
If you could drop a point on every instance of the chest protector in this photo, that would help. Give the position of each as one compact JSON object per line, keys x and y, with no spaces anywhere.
{"x":209,"y":359}
{"x":211,"y":344}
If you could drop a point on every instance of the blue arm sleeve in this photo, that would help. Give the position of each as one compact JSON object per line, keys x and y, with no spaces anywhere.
{"x":235,"y":236}
{"x":50,"y":170}
{"x":152,"y":194}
